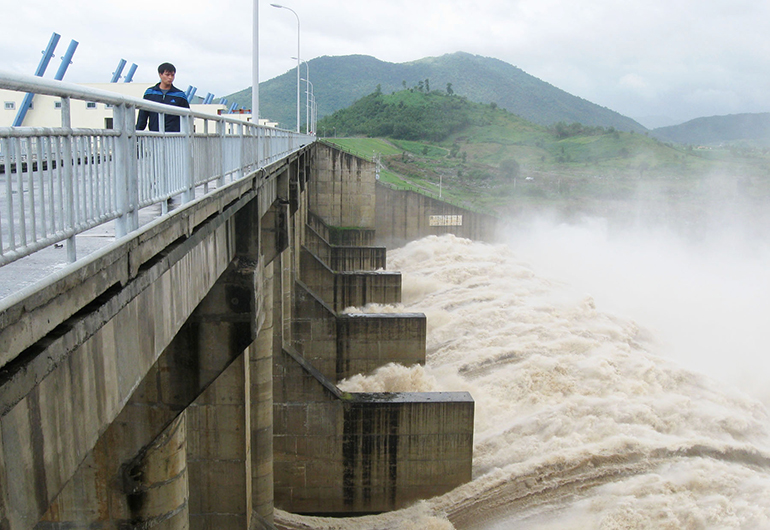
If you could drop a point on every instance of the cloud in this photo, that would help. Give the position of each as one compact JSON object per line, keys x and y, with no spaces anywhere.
{"x":637,"y":58}
{"x":637,"y":84}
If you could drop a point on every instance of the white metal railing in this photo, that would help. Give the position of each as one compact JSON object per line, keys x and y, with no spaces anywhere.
{"x":57,"y":182}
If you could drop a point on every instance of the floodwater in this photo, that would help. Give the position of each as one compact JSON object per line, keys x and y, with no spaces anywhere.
{"x":620,"y":379}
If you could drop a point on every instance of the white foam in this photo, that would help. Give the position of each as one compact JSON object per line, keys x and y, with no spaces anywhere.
{"x":584,"y":418}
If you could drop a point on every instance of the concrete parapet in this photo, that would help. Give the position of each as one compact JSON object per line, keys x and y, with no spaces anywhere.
{"x":341,"y":290}
{"x":342,"y":188}
{"x":349,"y":259}
{"x":404,"y":216}
{"x":356,"y":289}
{"x":342,"y":236}
{"x":351,"y":237}
{"x":346,"y":453}
{"x":340,"y":346}
{"x":345,"y":259}
{"x":368,"y":341}
{"x":318,"y":246}
{"x":315,"y":331}
{"x":28,"y":316}
{"x":318,"y":226}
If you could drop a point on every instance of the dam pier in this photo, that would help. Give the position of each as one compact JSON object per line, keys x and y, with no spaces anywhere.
{"x":185,"y":376}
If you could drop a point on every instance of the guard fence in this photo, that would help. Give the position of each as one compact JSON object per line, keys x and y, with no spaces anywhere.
{"x":60,"y":181}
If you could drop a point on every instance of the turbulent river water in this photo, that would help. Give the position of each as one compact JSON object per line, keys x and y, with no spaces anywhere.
{"x":620,"y":382}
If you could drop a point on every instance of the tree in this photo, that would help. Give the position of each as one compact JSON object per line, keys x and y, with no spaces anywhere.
{"x":449,"y":90}
{"x":510,"y":168}
{"x":427,"y":85}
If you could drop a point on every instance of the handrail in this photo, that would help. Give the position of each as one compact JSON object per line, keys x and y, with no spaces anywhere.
{"x":57,"y":182}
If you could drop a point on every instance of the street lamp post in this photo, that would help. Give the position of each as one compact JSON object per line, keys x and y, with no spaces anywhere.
{"x":298,"y":55}
{"x":255,"y":65}
{"x":307,"y":95}
{"x":310,"y":93}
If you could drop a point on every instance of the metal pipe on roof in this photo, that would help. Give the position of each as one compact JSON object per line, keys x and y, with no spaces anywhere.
{"x":66,"y":60}
{"x":41,"y":67}
{"x":118,"y":71}
{"x":130,"y":75}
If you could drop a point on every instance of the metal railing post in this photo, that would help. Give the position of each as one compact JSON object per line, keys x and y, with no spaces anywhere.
{"x":164,"y":182}
{"x":69,"y":177}
{"x":221,"y":126}
{"x":188,"y":163}
{"x":239,"y":175}
{"x":208,"y":154}
{"x":10,"y":159}
{"x":123,"y":170}
{"x":133,"y":165}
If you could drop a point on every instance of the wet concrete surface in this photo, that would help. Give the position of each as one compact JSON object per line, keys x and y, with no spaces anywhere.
{"x":28,"y":271}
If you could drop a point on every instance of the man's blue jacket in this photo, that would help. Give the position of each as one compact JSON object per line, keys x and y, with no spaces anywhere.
{"x":173,"y":96}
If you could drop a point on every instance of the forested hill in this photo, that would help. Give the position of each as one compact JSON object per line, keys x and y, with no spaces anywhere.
{"x":412,"y":114}
{"x":339,"y":81}
{"x":718,"y":130}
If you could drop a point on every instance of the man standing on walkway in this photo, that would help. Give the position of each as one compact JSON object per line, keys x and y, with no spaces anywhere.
{"x":163,"y":92}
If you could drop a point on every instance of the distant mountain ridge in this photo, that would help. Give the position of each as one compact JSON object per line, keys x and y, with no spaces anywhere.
{"x":341,"y":80}
{"x":716,"y":130}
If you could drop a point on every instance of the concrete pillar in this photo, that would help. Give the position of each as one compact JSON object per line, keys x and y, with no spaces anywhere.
{"x":151,"y":490}
{"x":122,"y":462}
{"x":219,"y":453}
{"x":261,"y":360}
{"x":157,"y":483}
{"x":288,"y":275}
{"x":262,"y":428}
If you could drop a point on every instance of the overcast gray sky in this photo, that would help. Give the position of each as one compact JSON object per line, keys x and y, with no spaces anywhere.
{"x":677,"y":58}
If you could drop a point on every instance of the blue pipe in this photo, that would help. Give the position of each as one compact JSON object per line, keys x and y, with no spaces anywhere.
{"x":66,"y":60}
{"x":130,"y":74}
{"x":118,"y":71}
{"x":27,"y":102}
{"x":47,"y":55}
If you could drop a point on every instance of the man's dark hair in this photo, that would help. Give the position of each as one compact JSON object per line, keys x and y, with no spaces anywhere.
{"x":166,"y":67}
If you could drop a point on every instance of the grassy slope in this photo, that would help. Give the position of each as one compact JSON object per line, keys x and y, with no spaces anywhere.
{"x":497,"y":161}
{"x":607,"y":174}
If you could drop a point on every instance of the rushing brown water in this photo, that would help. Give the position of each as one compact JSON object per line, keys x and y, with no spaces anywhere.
{"x":588,"y":362}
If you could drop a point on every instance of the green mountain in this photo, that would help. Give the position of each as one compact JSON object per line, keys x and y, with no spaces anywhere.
{"x":717,"y":130}
{"x":339,"y":81}
{"x":407,"y":115}
{"x":486,"y":144}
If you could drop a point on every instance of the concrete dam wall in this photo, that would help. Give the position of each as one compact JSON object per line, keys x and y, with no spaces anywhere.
{"x":187,"y":377}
